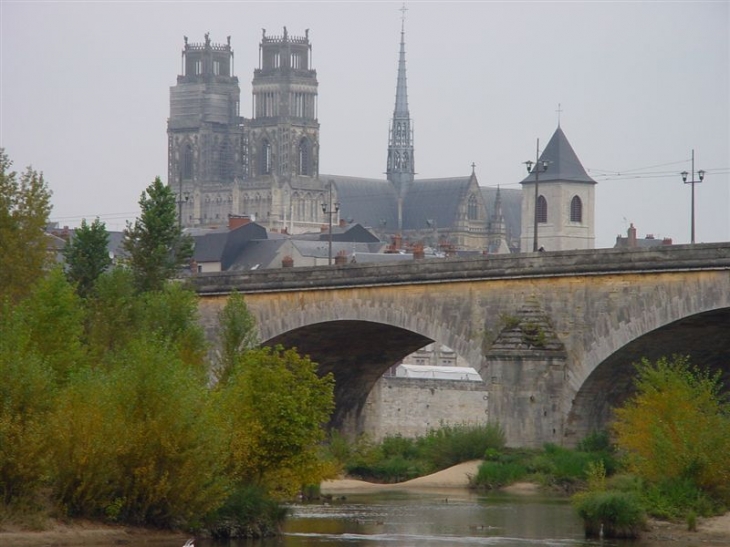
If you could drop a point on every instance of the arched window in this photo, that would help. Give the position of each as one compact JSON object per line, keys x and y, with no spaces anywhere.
{"x":576,"y":210}
{"x":265,"y":168}
{"x":188,"y":162}
{"x":542,"y":213}
{"x":472,"y":212}
{"x":305,"y":157}
{"x":225,"y":162}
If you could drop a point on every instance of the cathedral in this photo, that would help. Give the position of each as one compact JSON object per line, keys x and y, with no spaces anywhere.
{"x":221,"y":164}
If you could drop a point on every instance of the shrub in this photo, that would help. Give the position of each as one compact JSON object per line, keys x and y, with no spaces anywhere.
{"x":493,"y":474}
{"x":249,"y":513}
{"x":612,"y":514}
{"x":451,"y":445}
{"x":677,"y":426}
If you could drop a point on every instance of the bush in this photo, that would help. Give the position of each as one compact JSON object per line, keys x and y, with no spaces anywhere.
{"x":493,"y":474}
{"x":249,"y":513}
{"x":674,"y":498}
{"x":612,"y":514}
{"x":451,"y":445}
{"x":676,"y":427}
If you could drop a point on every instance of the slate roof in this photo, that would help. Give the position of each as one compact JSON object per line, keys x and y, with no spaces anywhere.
{"x":434,"y":200}
{"x":563,"y":163}
{"x":225,"y":246}
{"x":370,"y":202}
{"x":258,"y":253}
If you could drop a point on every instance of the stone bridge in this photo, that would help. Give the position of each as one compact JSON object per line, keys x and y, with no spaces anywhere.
{"x":554,"y":335}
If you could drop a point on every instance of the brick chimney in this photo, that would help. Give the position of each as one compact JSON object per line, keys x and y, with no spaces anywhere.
{"x":632,"y":236}
{"x":287,"y":262}
{"x":341,"y":258}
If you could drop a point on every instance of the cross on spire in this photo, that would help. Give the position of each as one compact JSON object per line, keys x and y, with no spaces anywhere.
{"x":473,"y":166}
{"x":403,"y":9}
{"x":559,"y":110}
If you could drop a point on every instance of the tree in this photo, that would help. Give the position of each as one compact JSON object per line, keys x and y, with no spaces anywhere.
{"x":238,"y":334}
{"x":676,"y":426}
{"x":273,"y":409}
{"x":25,"y":205}
{"x":155,"y":243}
{"x":87,"y":255}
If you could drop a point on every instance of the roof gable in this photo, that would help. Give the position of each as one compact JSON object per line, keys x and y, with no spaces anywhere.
{"x":563,"y":163}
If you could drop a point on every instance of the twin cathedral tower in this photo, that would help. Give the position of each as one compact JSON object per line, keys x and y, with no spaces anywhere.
{"x":222,"y":164}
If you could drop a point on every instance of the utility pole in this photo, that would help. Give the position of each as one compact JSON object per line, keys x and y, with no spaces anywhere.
{"x":329,"y":211}
{"x":701,"y":174}
{"x":537,"y":169}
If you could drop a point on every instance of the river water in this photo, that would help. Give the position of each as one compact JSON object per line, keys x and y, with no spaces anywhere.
{"x":431,"y":518}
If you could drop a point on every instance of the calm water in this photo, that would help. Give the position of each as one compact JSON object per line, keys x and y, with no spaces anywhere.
{"x":430,"y":518}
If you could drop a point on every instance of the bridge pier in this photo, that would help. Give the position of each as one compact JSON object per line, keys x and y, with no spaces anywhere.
{"x":525,"y":373}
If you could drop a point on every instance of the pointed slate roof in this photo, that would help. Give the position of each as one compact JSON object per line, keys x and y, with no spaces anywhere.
{"x":563,"y":163}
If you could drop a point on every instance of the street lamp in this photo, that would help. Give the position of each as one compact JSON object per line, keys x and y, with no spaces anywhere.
{"x":701,"y":174}
{"x":536,"y":168}
{"x":329,"y":211}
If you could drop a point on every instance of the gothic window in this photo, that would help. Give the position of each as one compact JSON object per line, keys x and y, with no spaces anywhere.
{"x":305,"y":157}
{"x":576,"y":210}
{"x":225,"y":163}
{"x":265,"y":168}
{"x":542,"y":209}
{"x":188,"y":162}
{"x":216,"y":68}
{"x":472,"y":211}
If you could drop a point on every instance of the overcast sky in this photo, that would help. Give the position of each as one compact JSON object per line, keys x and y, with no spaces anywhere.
{"x":85,"y":95}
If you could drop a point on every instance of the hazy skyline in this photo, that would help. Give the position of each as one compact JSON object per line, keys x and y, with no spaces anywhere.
{"x":85,"y":95}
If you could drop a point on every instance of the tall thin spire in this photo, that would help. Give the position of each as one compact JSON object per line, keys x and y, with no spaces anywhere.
{"x":400,"y":143}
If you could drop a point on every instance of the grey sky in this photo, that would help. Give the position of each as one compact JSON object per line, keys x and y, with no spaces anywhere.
{"x":85,"y":90}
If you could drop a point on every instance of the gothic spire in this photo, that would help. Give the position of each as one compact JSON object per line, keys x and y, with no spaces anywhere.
{"x":400,"y":146}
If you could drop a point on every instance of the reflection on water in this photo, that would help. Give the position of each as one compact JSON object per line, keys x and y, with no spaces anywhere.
{"x":425,"y":518}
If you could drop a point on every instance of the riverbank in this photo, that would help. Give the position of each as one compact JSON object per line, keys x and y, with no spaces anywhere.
{"x":711,"y":532}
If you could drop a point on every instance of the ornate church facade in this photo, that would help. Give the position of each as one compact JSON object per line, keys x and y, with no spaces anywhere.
{"x":222,"y":164}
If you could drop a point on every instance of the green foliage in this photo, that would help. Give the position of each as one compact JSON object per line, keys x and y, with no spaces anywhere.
{"x":238,"y":334}
{"x":25,"y":206}
{"x":87,"y":255}
{"x":137,"y":440}
{"x":27,"y":392}
{"x":399,"y":458}
{"x":155,"y":243}
{"x":53,"y":315}
{"x":676,"y":427}
{"x":610,"y":513}
{"x":454,"y":444}
{"x":275,"y":406}
{"x":495,"y":474}
{"x":676,"y":497}
{"x":248,"y":512}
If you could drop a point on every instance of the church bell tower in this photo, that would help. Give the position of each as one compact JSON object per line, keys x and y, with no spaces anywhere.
{"x":207,"y":148}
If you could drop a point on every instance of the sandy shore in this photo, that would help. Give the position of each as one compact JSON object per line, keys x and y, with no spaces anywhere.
{"x":712,"y":532}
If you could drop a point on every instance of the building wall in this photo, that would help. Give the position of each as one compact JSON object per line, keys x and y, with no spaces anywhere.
{"x":411,"y":407}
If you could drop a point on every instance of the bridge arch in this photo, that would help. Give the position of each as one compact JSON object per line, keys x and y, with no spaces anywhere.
{"x":607,"y":307}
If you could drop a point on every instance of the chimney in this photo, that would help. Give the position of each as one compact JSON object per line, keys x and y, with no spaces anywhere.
{"x":418,"y":253}
{"x":632,"y":236}
{"x":323,"y":229}
{"x":343,"y":223}
{"x":236,"y":221}
{"x":341,"y":258}
{"x":287,"y":262}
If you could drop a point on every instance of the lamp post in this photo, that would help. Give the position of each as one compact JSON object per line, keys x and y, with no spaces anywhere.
{"x":329,"y":211}
{"x":701,"y":174}
{"x":538,"y":167}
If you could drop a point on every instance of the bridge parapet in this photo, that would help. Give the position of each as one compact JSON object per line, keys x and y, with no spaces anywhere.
{"x":525,"y":265}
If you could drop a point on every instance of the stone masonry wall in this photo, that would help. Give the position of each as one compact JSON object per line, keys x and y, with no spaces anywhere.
{"x":412,"y":406}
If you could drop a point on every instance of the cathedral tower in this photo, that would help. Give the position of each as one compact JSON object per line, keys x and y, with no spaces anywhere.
{"x":284,"y":189}
{"x":207,"y":148}
{"x":565,"y":204}
{"x":401,"y":165}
